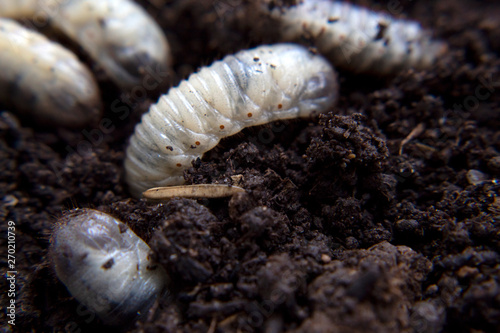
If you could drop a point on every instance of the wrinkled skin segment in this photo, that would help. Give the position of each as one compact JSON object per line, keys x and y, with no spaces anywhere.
{"x":358,"y":39}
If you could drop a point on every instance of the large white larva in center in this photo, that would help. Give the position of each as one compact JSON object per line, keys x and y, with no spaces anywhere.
{"x":118,"y":34}
{"x":105,"y":266}
{"x":359,"y":39}
{"x":253,"y":87}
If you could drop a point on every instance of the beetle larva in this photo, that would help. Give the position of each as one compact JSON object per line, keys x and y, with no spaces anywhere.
{"x":118,"y":34}
{"x":105,"y":266}
{"x":251,"y":88}
{"x":358,"y":39}
{"x":192,"y":191}
{"x":45,"y":81}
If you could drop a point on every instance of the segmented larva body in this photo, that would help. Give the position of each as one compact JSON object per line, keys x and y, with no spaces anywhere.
{"x":44,"y":80}
{"x":118,"y":34}
{"x":252,"y":87}
{"x":359,"y":39}
{"x":105,"y":266}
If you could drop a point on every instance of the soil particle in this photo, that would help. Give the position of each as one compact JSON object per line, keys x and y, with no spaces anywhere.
{"x":369,"y":289}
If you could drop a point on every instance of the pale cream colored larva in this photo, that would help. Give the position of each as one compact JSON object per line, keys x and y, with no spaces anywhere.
{"x":118,"y":34}
{"x":359,"y":39}
{"x":192,"y":191}
{"x":45,"y":81}
{"x":253,"y":87}
{"x":105,"y":266}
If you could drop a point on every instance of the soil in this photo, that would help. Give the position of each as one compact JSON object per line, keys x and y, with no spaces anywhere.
{"x":381,"y":216}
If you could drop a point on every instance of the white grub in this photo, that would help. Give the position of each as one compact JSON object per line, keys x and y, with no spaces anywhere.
{"x":43,"y":80}
{"x":119,"y":35}
{"x":105,"y":266}
{"x":358,"y":39}
{"x":192,"y":191}
{"x":252,"y":87}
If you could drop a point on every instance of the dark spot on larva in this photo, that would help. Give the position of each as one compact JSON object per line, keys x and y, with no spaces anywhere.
{"x":313,"y":50}
{"x":256,"y":59}
{"x":221,"y":127}
{"x":178,"y":165}
{"x":280,"y":106}
{"x":151,"y":268}
{"x":137,"y":266}
{"x":273,"y":66}
{"x":198,"y":143}
{"x":249,"y":114}
{"x":333,"y":19}
{"x":66,"y":252}
{"x":193,"y":146}
{"x":102,"y":22}
{"x":382,"y":28}
{"x":170,"y":148}
{"x":387,"y":41}
{"x":108,"y":264}
{"x":123,"y":228}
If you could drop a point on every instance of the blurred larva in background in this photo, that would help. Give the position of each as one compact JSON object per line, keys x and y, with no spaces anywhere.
{"x":118,"y":35}
{"x":358,"y":39}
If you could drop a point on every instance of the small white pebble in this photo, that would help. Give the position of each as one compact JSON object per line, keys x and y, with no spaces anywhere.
{"x":476,"y":177}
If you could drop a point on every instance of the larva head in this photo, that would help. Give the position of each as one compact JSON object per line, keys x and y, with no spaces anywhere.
{"x":105,"y":266}
{"x":306,"y":77}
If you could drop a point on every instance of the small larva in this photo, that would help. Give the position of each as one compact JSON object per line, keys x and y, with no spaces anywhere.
{"x":358,"y":39}
{"x":192,"y":191}
{"x":105,"y":266}
{"x":38,"y":79}
{"x":253,"y":87}
{"x":118,"y":34}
